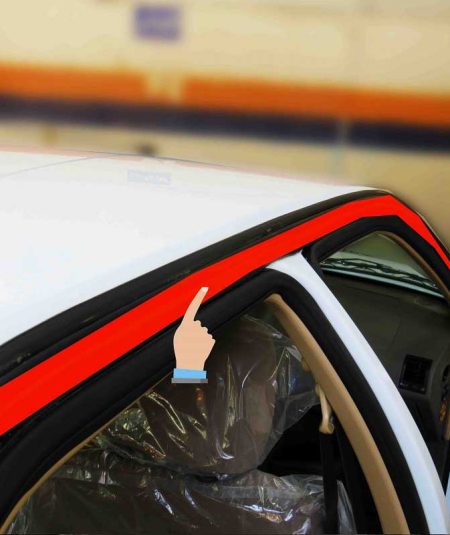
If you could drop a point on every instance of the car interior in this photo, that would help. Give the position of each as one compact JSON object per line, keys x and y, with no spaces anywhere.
{"x":402,"y":309}
{"x":240,"y":454}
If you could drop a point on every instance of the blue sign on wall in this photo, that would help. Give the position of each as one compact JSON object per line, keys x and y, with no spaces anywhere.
{"x":157,"y":22}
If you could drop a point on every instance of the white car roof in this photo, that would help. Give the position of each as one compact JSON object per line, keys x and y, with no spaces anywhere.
{"x":76,"y":225}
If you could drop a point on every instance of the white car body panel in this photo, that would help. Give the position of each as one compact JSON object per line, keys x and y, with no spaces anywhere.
{"x":408,"y":435}
{"x":77,"y":225}
{"x":74,"y":226}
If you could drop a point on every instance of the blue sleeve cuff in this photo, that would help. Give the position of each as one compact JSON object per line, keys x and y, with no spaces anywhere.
{"x":180,"y":373}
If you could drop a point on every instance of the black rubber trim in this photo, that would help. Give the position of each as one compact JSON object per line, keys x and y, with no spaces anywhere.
{"x":39,"y":343}
{"x":435,"y":236}
{"x":38,"y":443}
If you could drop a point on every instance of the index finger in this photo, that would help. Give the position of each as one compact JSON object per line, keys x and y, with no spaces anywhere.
{"x":194,"y":305}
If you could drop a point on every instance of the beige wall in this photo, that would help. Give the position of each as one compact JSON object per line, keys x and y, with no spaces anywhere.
{"x":392,"y":44}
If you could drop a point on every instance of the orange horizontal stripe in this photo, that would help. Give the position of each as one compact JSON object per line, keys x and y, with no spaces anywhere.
{"x":335,"y":102}
{"x":71,"y":84}
{"x":242,"y":96}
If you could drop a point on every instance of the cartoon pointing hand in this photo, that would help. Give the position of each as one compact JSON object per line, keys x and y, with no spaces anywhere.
{"x":192,"y":344}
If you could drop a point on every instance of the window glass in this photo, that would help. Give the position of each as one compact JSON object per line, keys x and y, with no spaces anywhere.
{"x":187,"y":457}
{"x":404,"y":316}
{"x":379,"y":258}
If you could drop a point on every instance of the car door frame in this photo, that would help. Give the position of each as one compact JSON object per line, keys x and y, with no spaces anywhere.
{"x":408,"y":238}
{"x":37,"y":441}
{"x":44,"y":439}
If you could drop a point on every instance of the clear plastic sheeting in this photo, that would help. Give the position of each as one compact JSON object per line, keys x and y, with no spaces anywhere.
{"x":184,"y":457}
{"x":256,"y":390}
{"x":99,"y":492}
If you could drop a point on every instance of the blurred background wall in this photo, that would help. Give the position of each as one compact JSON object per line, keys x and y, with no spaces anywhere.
{"x":339,"y":90}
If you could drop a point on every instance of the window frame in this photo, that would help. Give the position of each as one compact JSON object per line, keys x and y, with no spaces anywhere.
{"x":26,"y":442}
{"x":407,"y":238}
{"x":42,"y":440}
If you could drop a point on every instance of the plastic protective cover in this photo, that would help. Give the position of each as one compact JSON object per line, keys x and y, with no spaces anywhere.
{"x":184,"y":457}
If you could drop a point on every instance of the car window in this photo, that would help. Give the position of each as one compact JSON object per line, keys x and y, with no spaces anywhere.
{"x":403,"y":314}
{"x":234,"y":455}
{"x":378,"y":257}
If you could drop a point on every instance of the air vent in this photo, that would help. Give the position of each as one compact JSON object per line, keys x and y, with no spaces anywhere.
{"x":415,"y":372}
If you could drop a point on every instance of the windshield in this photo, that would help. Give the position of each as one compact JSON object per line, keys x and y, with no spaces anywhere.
{"x":378,"y":257}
